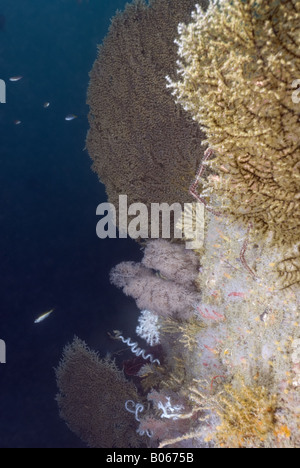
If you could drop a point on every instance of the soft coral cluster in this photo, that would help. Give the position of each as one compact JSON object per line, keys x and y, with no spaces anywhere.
{"x":164,"y":283}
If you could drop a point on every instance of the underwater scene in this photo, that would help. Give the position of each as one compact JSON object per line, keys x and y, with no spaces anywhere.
{"x":150,"y":224}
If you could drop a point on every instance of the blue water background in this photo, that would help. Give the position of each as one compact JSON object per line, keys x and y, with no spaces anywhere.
{"x":49,"y":253}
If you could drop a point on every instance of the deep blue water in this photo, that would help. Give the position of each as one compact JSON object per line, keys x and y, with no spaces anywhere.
{"x":49,"y":253}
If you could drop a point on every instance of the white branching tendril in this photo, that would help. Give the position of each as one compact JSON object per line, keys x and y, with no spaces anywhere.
{"x":169,"y":411}
{"x":137,"y":408}
{"x":136,"y":350}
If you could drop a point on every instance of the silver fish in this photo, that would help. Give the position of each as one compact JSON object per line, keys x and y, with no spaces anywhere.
{"x":42,"y":317}
{"x":15,"y":78}
{"x":70,"y":117}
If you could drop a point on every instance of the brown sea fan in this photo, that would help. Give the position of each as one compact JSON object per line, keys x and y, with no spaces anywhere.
{"x":91,"y":399}
{"x":143,"y":145}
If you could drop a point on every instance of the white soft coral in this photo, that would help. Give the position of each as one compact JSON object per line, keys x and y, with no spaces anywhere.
{"x":148,"y":328}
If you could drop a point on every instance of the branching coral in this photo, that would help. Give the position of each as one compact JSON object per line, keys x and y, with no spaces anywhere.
{"x":142,"y":143}
{"x":172,"y":421}
{"x":92,"y":396}
{"x":237,"y":65}
{"x":247,"y":417}
{"x":188,"y":330}
{"x":287,"y":432}
{"x":148,"y":327}
{"x":157,"y":294}
{"x":173,"y":261}
{"x":169,"y":291}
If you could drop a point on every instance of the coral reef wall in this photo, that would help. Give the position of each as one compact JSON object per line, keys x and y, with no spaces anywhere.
{"x":230,"y":370}
{"x":220,"y":324}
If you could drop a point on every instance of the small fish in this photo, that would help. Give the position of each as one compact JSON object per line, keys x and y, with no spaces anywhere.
{"x":17,"y":122}
{"x":15,"y":78}
{"x":44,"y":316}
{"x":70,"y":117}
{"x":46,"y":104}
